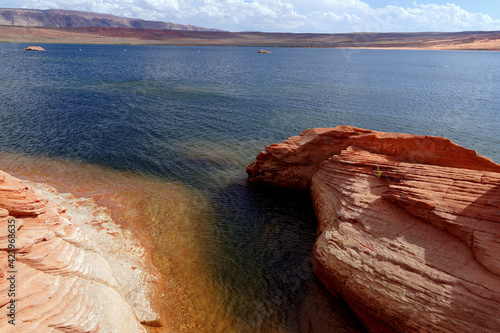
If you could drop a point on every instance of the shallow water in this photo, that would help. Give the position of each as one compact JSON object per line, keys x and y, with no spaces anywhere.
{"x":162,"y":136}
{"x":256,"y":277}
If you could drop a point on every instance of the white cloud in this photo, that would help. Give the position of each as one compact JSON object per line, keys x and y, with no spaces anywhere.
{"x":284,"y":15}
{"x":432,"y":17}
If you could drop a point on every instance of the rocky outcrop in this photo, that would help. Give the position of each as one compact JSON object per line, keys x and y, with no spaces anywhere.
{"x":34,"y":48}
{"x":67,"y":267}
{"x":408,"y":226}
{"x":80,"y":19}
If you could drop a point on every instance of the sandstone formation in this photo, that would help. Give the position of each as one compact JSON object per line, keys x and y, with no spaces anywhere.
{"x":408,"y":226}
{"x":67,"y":267}
{"x":80,"y":19}
{"x":34,"y":48}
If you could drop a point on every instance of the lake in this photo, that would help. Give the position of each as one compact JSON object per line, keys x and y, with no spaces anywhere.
{"x":162,"y":136}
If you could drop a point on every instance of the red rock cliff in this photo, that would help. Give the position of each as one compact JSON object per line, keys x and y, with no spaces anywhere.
{"x":408,"y":226}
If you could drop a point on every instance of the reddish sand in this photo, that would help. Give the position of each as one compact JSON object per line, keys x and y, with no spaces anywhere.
{"x":428,"y":40}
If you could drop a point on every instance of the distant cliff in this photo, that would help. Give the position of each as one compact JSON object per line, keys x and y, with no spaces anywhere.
{"x":76,"y":19}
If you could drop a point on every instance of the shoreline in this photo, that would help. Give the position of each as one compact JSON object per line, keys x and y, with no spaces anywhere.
{"x":165,"y":209}
{"x":60,"y":241}
{"x":291,"y":47}
{"x":472,"y":41}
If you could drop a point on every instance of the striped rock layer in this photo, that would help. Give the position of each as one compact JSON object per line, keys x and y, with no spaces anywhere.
{"x":75,"y":270}
{"x":408,"y":226}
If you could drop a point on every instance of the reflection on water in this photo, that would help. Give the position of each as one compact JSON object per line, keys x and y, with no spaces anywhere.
{"x":232,"y":261}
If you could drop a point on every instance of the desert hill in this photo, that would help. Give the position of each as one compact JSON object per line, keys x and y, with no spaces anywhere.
{"x":71,"y":19}
{"x":479,"y":40}
{"x":67,"y":26}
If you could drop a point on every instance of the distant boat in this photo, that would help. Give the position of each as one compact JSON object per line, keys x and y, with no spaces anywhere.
{"x":263,"y":51}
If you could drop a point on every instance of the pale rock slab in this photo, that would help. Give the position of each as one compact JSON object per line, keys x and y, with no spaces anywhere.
{"x":75,"y":269}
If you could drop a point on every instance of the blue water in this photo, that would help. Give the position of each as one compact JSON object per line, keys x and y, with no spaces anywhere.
{"x":197,"y":116}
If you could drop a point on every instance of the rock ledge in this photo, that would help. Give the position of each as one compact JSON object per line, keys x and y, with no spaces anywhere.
{"x":75,"y":270}
{"x":408,"y":226}
{"x":34,"y":48}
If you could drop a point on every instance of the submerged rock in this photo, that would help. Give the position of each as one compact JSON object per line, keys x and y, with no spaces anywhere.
{"x":34,"y":48}
{"x":70,"y":269}
{"x":408,"y":226}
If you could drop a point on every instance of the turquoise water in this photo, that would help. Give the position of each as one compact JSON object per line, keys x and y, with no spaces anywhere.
{"x":180,"y":125}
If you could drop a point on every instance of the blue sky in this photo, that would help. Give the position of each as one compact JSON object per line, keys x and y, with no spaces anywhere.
{"x":491,"y":7}
{"x":329,"y":16}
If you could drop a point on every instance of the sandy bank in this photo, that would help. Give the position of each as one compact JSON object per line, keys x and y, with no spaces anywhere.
{"x":425,"y":41}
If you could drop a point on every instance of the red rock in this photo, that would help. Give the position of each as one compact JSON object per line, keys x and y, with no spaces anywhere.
{"x":68,"y":276}
{"x":18,"y":199}
{"x":408,"y":226}
{"x":34,"y":48}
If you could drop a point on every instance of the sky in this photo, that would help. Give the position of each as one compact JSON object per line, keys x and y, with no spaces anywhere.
{"x":320,"y":16}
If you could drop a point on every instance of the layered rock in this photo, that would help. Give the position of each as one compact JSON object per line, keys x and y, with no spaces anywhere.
{"x":74,"y":270}
{"x":34,"y":48}
{"x":74,"y":18}
{"x":408,"y":226}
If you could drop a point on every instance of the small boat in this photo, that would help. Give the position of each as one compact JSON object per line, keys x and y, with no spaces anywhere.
{"x":263,"y":51}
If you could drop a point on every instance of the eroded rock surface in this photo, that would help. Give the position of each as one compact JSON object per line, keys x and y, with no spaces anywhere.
{"x":34,"y":48}
{"x":408,"y":226}
{"x":75,"y":270}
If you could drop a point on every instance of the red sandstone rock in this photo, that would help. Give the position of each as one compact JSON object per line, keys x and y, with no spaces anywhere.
{"x":18,"y":199}
{"x":408,"y":226}
{"x":34,"y":48}
{"x":69,"y":275}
